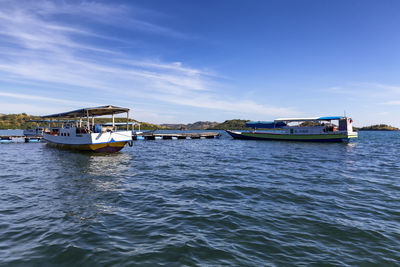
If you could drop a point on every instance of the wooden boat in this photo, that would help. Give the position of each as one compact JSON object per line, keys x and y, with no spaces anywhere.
{"x":37,"y":130}
{"x":319,"y":129}
{"x":81,"y":132}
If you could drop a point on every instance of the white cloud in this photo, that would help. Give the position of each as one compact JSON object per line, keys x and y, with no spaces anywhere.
{"x":392,"y":103}
{"x":238,"y":107}
{"x":385,"y":87}
{"x":34,"y":109}
{"x":45,"y":99}
{"x":366,"y":90}
{"x":38,"y":48}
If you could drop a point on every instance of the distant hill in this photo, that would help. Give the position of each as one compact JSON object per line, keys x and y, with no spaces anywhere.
{"x":151,"y":126}
{"x":200,"y":125}
{"x":231,"y":125}
{"x":18,"y":121}
{"x":378,"y":127}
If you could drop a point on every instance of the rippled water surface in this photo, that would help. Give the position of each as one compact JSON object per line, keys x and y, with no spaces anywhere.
{"x":203,"y":203}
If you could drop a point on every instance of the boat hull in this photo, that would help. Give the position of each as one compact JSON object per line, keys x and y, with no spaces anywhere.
{"x":99,"y":148}
{"x":337,"y":137}
{"x":107,"y":142}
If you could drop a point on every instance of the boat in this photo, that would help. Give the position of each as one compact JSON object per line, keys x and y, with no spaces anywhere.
{"x":5,"y":139}
{"x":78,"y":130}
{"x":38,"y":130}
{"x":316,"y":129}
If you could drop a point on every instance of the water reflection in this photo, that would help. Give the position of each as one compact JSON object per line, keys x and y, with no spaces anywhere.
{"x":351,"y":146}
{"x":279,"y":203}
{"x":88,"y":185}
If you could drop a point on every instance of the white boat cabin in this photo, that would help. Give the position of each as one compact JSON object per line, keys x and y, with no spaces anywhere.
{"x":304,"y":126}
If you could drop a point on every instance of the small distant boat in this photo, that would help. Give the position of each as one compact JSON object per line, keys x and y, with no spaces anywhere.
{"x":319,"y":129}
{"x":81,"y":132}
{"x":5,"y":139}
{"x":38,"y":130}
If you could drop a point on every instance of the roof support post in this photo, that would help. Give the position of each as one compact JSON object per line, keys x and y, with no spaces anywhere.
{"x":113,"y":121}
{"x":88,"y":122}
{"x":127,"y":120}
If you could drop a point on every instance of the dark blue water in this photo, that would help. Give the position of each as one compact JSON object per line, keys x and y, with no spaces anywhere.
{"x":203,"y":203}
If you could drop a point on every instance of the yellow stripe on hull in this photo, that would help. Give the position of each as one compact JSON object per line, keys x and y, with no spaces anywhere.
{"x":102,"y":148}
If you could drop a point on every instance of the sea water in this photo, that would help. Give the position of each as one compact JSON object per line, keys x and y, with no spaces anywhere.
{"x":205,"y":202}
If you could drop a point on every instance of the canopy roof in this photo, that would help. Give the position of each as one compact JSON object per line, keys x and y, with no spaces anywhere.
{"x":96,"y":111}
{"x":310,"y":119}
{"x":119,"y":123}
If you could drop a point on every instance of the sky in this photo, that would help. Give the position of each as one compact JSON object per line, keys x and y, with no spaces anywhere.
{"x":211,"y":60}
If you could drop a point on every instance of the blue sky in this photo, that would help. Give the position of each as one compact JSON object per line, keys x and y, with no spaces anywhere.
{"x":185,"y":61}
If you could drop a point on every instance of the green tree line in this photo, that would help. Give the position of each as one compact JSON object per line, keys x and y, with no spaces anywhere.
{"x":20,"y":121}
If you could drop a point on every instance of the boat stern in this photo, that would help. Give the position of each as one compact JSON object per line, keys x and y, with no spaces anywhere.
{"x":110,"y":142}
{"x":351,"y":135}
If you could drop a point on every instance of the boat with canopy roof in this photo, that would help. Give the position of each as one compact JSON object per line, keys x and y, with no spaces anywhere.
{"x":78,"y":130}
{"x":317,"y":129}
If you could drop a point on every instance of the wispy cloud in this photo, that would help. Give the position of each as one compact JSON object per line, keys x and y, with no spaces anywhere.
{"x":365,"y":89}
{"x":245,"y":107}
{"x":45,"y":99}
{"x":52,"y":44}
{"x":392,"y":103}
